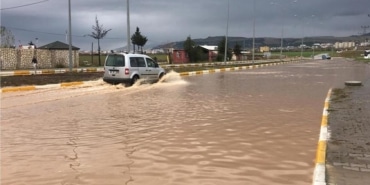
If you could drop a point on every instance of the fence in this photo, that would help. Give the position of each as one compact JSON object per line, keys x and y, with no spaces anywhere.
{"x":15,"y":59}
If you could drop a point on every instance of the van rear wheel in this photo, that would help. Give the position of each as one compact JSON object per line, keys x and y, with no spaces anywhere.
{"x":134,"y":79}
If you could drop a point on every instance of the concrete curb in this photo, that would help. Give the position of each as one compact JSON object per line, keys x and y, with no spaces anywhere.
{"x":48,"y":71}
{"x":319,"y":171}
{"x":35,"y":87}
{"x":69,"y":84}
{"x":203,"y":72}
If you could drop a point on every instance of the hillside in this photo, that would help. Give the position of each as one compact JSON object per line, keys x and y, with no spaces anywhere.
{"x":266,"y":41}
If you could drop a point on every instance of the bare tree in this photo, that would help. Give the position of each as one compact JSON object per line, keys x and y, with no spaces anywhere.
{"x":99,"y":33}
{"x":7,"y":38}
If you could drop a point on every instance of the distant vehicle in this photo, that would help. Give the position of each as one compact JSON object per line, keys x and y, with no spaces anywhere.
{"x":367,"y":54}
{"x":325,"y":57}
{"x":128,"y":68}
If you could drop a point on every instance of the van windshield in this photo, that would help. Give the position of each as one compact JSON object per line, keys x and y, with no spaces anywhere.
{"x":115,"y":60}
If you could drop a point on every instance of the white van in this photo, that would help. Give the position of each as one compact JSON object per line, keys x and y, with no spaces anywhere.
{"x":128,"y":68}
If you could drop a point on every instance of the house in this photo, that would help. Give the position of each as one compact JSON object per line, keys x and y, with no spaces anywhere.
{"x":264,"y":49}
{"x":53,"y":55}
{"x":59,"y":54}
{"x":210,"y":51}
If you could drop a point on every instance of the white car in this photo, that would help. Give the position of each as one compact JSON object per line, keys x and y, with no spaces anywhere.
{"x":367,"y":54}
{"x":128,"y":68}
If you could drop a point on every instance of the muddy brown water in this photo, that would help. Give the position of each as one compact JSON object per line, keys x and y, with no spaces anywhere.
{"x":258,"y":126}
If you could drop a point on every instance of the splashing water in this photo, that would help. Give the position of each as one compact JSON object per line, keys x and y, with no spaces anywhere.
{"x":172,"y":77}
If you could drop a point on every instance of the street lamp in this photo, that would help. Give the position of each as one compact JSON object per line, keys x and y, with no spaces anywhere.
{"x":128,"y":26}
{"x":313,"y":38}
{"x":254,"y":29}
{"x":282,"y":30}
{"x":227,"y":30}
{"x":70,"y":35}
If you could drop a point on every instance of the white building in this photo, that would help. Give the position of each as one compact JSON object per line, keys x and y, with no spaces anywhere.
{"x":344,"y":45}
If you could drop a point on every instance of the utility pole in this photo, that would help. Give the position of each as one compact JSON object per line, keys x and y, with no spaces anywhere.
{"x":227,"y":30}
{"x":254,"y":29}
{"x":70,"y":35}
{"x":128,"y":26}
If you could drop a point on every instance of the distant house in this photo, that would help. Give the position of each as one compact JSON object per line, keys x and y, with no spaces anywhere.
{"x":179,"y":56}
{"x":210,"y":51}
{"x":264,"y":49}
{"x":59,"y":54}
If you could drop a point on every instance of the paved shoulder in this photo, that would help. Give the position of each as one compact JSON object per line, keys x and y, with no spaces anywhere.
{"x":348,"y":148}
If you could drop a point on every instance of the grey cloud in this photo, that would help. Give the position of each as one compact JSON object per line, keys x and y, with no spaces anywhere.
{"x":173,"y":20}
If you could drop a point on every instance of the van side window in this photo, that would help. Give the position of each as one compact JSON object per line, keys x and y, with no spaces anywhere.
{"x":133,"y":62}
{"x":150,"y":62}
{"x":141,"y":61}
{"x":115,"y":60}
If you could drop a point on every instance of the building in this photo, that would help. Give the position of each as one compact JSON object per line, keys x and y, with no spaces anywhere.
{"x":344,"y":45}
{"x":264,"y":49}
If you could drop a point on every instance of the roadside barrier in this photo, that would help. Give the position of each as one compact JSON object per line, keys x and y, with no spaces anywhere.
{"x":319,"y":171}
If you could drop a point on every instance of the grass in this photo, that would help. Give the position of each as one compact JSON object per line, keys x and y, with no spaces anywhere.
{"x":338,"y":94}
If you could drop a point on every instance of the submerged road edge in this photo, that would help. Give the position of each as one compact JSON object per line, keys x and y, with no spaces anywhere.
{"x":320,"y":171}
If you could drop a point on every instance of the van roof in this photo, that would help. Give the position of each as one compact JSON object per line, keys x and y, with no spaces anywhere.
{"x":130,"y":54}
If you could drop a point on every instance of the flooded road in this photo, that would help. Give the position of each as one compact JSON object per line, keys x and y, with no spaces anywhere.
{"x":257,"y":126}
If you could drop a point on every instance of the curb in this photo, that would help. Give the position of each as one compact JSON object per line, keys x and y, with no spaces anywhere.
{"x":319,"y":171}
{"x":48,"y":71}
{"x":203,"y":72}
{"x":77,"y":83}
{"x":36,"y":87}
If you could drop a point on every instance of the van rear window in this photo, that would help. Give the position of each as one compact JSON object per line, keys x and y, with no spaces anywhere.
{"x":115,"y":60}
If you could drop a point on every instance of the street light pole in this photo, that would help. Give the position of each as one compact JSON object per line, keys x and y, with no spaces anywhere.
{"x":128,"y":26}
{"x":70,"y":35}
{"x":302,"y":40}
{"x":254,"y":29}
{"x":227,"y":30}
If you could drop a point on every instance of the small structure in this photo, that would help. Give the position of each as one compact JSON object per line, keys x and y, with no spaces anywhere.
{"x":59,"y":54}
{"x":210,"y":51}
{"x":179,"y":56}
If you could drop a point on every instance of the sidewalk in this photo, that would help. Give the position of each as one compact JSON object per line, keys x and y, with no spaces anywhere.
{"x":348,"y":145}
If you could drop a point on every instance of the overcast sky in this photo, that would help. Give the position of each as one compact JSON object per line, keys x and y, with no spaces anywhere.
{"x":163,"y":21}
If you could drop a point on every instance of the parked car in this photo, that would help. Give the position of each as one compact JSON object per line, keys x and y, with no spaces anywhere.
{"x":128,"y":68}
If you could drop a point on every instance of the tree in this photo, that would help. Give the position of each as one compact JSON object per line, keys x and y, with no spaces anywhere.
{"x":135,"y":38}
{"x":221,"y":51}
{"x":7,"y":38}
{"x":142,"y":42}
{"x":99,"y":33}
{"x":237,"y":51}
{"x":138,"y":40}
{"x":191,"y":49}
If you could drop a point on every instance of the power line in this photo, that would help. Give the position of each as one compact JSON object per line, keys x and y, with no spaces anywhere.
{"x":20,"y":6}
{"x":49,"y":33}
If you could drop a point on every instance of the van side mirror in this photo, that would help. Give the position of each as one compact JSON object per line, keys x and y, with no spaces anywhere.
{"x":156,"y":65}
